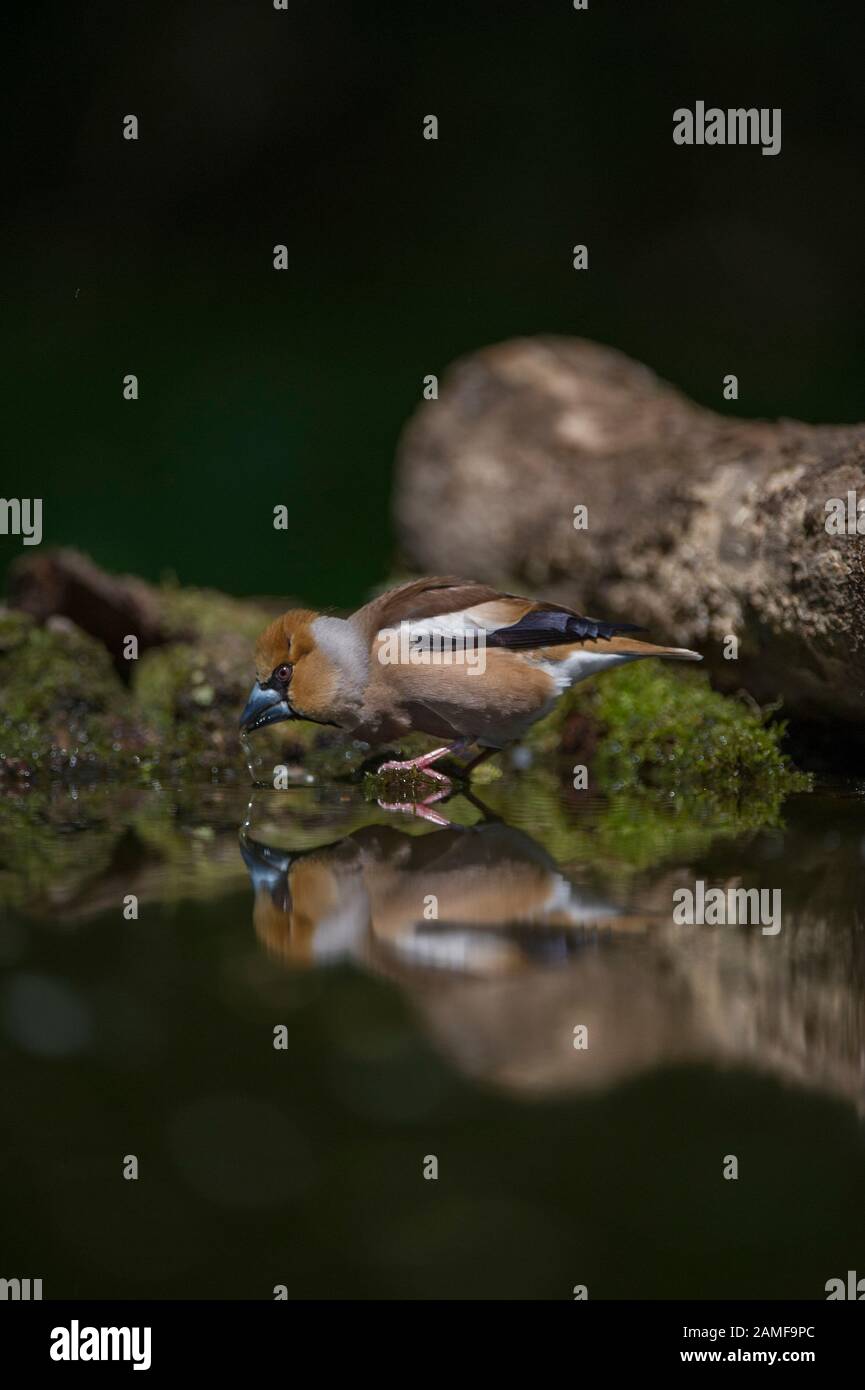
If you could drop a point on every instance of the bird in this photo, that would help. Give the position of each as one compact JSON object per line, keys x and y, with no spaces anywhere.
{"x":451,"y":658}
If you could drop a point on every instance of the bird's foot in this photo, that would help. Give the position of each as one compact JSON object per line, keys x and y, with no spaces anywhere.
{"x":420,"y":808}
{"x":421,"y":764}
{"x":417,"y":808}
{"x":405,"y":779}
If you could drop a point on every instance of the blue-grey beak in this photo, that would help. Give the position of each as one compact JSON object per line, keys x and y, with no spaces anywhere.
{"x":268,"y":869}
{"x":264,"y":706}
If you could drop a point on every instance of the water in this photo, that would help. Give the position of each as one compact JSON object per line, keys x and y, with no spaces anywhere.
{"x":410,"y":1037}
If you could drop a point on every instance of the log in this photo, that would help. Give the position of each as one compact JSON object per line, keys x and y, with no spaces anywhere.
{"x":699,"y":526}
{"x":109,"y":607}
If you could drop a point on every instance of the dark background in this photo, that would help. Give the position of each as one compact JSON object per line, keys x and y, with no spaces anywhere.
{"x":304,"y":127}
{"x":260,"y":388}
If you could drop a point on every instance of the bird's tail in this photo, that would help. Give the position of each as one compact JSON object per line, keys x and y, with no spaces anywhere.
{"x":634,"y":648}
{"x":676,"y":654}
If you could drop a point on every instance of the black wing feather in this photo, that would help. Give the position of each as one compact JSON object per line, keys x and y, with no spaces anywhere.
{"x":555,"y":628}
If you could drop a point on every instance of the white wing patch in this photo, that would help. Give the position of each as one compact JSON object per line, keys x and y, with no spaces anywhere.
{"x":468,"y":621}
{"x":453,"y":949}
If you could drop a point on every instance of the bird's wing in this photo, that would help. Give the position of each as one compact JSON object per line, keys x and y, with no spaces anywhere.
{"x":509,"y":620}
{"x":419,"y":600}
{"x":546,"y":625}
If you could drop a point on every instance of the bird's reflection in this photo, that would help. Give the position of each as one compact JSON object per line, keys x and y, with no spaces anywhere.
{"x":504,"y":956}
{"x":484,"y":901}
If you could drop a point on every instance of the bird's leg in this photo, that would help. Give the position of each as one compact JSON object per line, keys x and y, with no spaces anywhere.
{"x":416,"y":808}
{"x":422,"y":764}
{"x":425,"y":761}
{"x":419,"y":808}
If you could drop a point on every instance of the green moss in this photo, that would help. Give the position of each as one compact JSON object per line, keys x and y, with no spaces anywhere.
{"x":670,"y":732}
{"x":622,"y":831}
{"x":62,"y":706}
{"x":191,"y":691}
{"x":65,"y":853}
{"x":64,"y":709}
{"x":206,"y":613}
{"x":402,"y":787}
{"x":191,"y":697}
{"x":15,"y":629}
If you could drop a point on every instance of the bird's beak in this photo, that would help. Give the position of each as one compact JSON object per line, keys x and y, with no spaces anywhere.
{"x":268,"y":869}
{"x":264,"y":707}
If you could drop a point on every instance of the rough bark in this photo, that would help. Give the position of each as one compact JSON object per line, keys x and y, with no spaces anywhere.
{"x":699,"y":526}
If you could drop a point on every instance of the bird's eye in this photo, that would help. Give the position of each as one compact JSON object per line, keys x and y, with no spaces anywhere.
{"x":282,"y":674}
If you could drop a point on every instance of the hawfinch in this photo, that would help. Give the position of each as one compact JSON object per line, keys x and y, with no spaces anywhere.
{"x":441,"y":656}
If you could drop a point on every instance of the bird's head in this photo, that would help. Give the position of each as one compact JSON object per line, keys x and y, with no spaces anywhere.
{"x":285,"y":660}
{"x":309,"y":666}
{"x":310,"y":907}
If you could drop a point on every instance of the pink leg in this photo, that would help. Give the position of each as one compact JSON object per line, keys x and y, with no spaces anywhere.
{"x":416,"y":808}
{"x":425,"y":761}
{"x":420,"y":808}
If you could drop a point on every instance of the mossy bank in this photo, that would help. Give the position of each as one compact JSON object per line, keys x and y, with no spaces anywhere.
{"x":72,"y":708}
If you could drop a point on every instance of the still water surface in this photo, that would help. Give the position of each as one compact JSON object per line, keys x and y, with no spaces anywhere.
{"x":429,"y":981}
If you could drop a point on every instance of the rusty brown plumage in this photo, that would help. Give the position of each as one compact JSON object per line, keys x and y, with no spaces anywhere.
{"x":363,"y":675}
